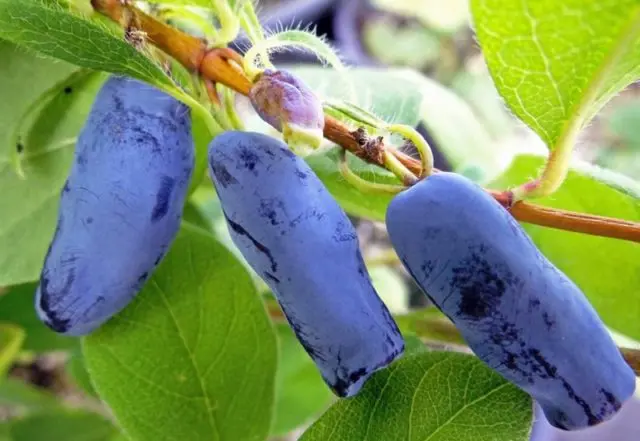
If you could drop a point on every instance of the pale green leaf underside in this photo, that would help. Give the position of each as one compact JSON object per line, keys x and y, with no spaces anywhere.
{"x":193,"y":357}
{"x":556,"y":62}
{"x":59,"y":34}
{"x":29,"y":206}
{"x":607,"y":270}
{"x":430,"y":396}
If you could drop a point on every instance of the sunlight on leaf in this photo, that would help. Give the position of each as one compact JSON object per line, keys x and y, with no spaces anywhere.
{"x":197,"y":343}
{"x":556,"y":63}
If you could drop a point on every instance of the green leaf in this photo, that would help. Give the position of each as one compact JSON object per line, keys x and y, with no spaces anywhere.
{"x":392,"y":94}
{"x":391,"y":288}
{"x":430,"y":324}
{"x":477,"y":88}
{"x":371,"y":206}
{"x":399,"y":43}
{"x":11,"y":338}
{"x":17,"y":306}
{"x":30,"y":204}
{"x":59,"y":34}
{"x":25,"y":398}
{"x":196,"y":343}
{"x":557,"y":62}
{"x":436,"y":396}
{"x":193,"y":215}
{"x":301,"y":393}
{"x":605,"y":269}
{"x":63,"y":425}
{"x":77,"y":370}
{"x":5,"y":431}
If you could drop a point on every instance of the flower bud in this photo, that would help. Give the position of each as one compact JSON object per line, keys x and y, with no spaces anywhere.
{"x":290,"y":106}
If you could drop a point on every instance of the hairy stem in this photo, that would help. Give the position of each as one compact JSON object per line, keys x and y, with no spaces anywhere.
{"x":214,"y":65}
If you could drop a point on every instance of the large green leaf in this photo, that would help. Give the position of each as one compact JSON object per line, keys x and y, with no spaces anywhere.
{"x":556,"y":62}
{"x":77,"y":371}
{"x":193,"y":357}
{"x":29,"y":205}
{"x":607,"y":270}
{"x":301,"y":393}
{"x":63,"y":425}
{"x":436,"y":396}
{"x":11,"y":338}
{"x":16,"y":306}
{"x":59,"y":34}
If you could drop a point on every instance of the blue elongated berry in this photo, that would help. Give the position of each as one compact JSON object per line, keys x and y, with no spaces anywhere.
{"x":298,"y":239}
{"x":120,"y":208}
{"x":518,"y":312}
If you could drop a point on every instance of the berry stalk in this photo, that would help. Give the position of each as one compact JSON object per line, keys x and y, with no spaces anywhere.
{"x":221,"y":65}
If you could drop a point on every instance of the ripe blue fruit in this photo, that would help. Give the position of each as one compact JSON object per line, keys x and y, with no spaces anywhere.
{"x":120,"y":207}
{"x":297,"y":238}
{"x":518,"y":312}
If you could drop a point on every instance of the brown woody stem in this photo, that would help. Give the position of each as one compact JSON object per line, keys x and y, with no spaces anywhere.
{"x":213,"y":64}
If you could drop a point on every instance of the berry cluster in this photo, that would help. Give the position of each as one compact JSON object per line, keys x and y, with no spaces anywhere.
{"x":121,"y":208}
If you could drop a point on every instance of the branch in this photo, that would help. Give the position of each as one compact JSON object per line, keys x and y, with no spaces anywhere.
{"x":214,"y":65}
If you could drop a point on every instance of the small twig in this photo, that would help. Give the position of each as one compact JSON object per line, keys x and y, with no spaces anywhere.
{"x":632,"y":356}
{"x":214,"y":65}
{"x":553,"y":217}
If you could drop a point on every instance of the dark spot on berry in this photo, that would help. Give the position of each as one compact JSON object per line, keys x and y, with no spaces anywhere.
{"x":481,"y":285}
{"x":533,"y":304}
{"x":344,"y":232}
{"x":144,"y":139}
{"x":162,"y":198}
{"x":249,"y":158}
{"x":81,"y":160}
{"x":271,"y":277}
{"x":222,"y":175}
{"x":611,"y":399}
{"x":548,"y":321}
{"x":356,"y":375}
{"x":89,"y":220}
{"x":53,"y":320}
{"x":239,"y":229}
{"x":268,"y":210}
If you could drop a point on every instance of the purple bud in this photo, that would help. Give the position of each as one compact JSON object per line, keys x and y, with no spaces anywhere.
{"x":288,"y":105}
